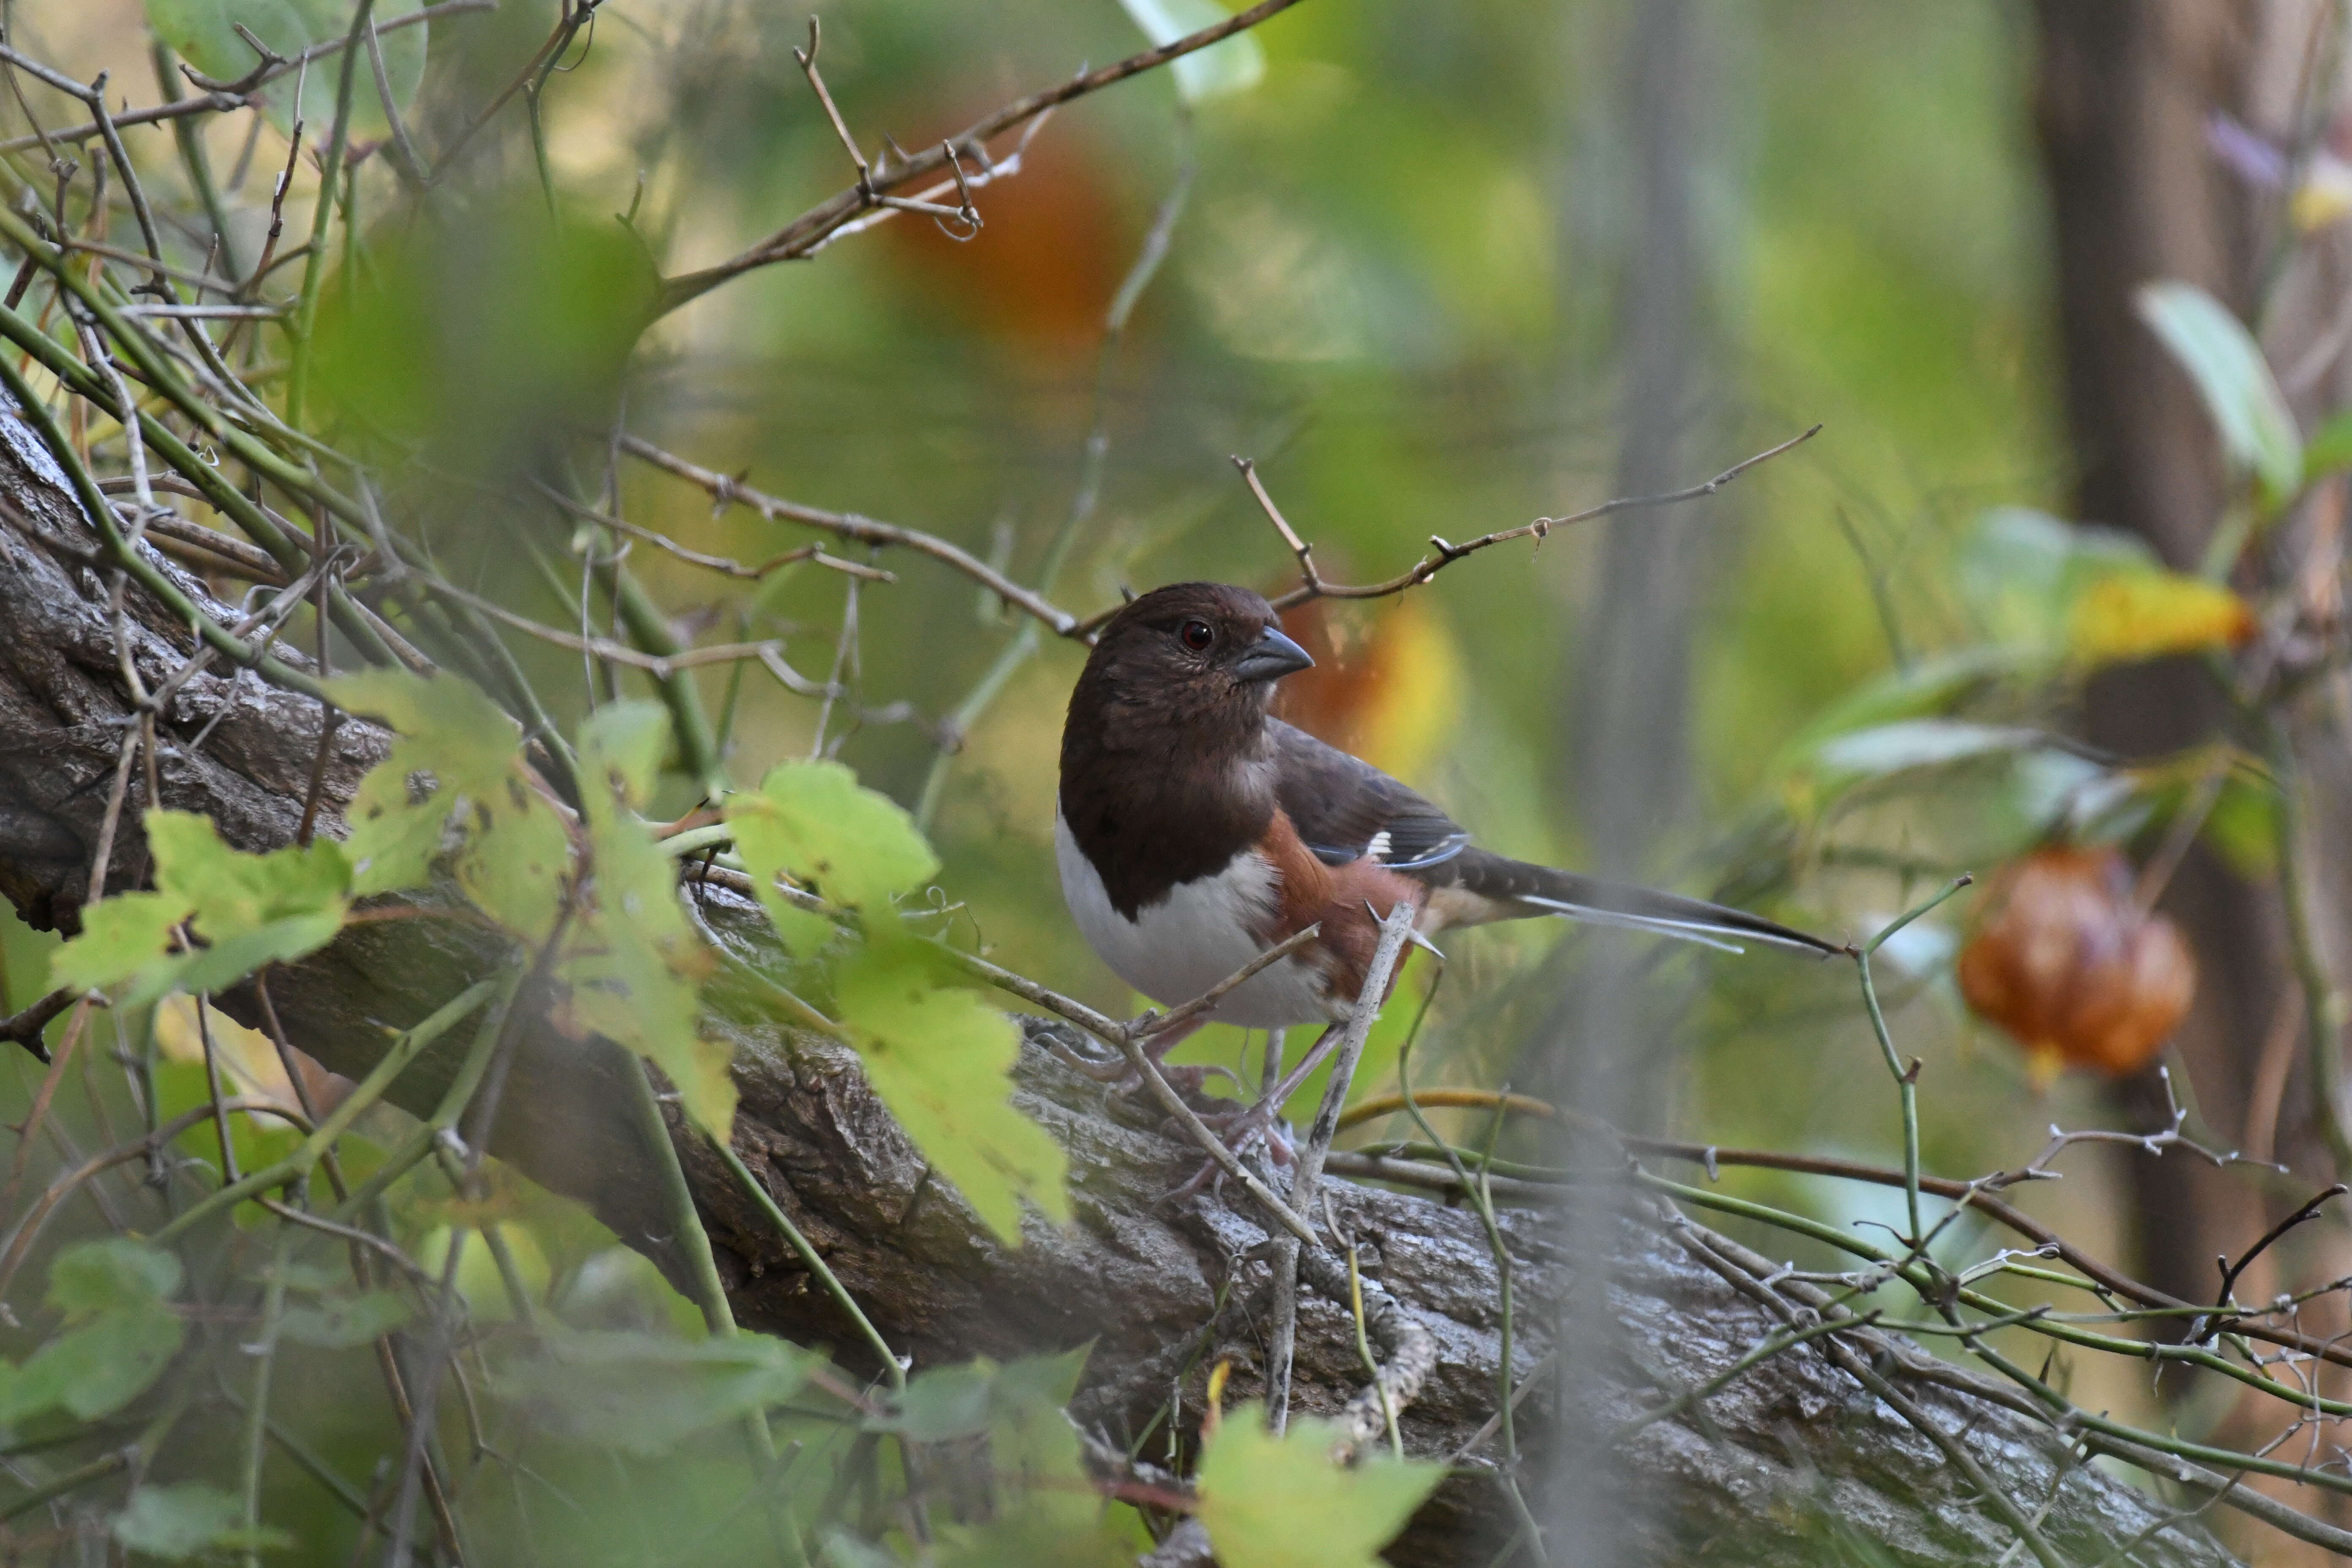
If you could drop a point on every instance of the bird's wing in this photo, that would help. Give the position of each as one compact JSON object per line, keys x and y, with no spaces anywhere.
{"x":1345,"y":809}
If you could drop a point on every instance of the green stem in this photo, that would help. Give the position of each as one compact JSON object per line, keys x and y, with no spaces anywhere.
{"x":187,"y":131}
{"x":710,"y":1292}
{"x":892,"y":1368}
{"x":1907,"y":1080}
{"x":403,"y":1050}
{"x":2323,"y":1005}
{"x":257,"y":1410}
{"x":314,"y":265}
{"x":148,"y":576}
{"x":649,"y":629}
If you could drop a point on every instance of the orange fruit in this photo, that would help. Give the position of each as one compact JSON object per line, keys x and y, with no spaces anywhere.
{"x":2064,"y":960}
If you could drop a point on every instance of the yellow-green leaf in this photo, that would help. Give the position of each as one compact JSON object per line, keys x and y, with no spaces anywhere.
{"x":632,"y":963}
{"x":1280,"y":1502}
{"x":940,"y":1058}
{"x":516,"y":859}
{"x":455,"y":745}
{"x":2127,"y":615}
{"x":245,"y":911}
{"x":812,"y":822}
{"x":120,"y":1333}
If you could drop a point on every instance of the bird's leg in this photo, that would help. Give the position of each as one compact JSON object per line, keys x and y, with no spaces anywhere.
{"x":1158,"y":1045}
{"x":1155,"y":1046}
{"x":1245,"y":1125}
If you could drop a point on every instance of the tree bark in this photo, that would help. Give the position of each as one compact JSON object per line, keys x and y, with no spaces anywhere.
{"x":2125,"y":90}
{"x":1791,"y":1454}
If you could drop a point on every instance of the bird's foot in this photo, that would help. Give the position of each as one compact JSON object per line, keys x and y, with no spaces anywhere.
{"x":1244,"y":1131}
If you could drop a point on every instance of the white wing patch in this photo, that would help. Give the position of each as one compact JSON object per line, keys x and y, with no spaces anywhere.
{"x":1379,"y":848}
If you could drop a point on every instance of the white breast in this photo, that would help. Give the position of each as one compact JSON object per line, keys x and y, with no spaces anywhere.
{"x":1200,"y":933}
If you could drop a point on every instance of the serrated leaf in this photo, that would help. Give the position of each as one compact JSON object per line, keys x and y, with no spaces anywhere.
{"x":1235,"y":65}
{"x":120,"y":1333}
{"x":178,"y":1522}
{"x":645,"y":1395}
{"x":340,"y":1323}
{"x":2233,"y":378}
{"x":455,"y":744}
{"x":812,"y":822}
{"x":204,"y":33}
{"x":2129,"y":616}
{"x":942,"y":1059}
{"x":459,"y":757}
{"x":119,"y":936}
{"x":1280,"y":1502}
{"x":245,"y":911}
{"x":634,"y":962}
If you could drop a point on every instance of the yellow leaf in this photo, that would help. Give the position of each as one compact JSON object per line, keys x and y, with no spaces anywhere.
{"x":2127,"y":615}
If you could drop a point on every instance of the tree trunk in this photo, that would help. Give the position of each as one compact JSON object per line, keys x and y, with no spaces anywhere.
{"x":2127,"y":89}
{"x":1793,"y":1454}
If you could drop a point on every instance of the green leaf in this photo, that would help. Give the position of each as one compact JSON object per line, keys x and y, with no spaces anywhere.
{"x":114,"y":1275}
{"x":120,"y":1333}
{"x":813,"y":822}
{"x":245,"y":911}
{"x":204,"y":33}
{"x":460,"y":756}
{"x":1047,"y":1515}
{"x":969,"y":1397}
{"x":178,"y":1522}
{"x":1235,"y":65}
{"x":2222,"y":358}
{"x":2330,"y":448}
{"x":455,"y":745}
{"x":940,"y":1058}
{"x":340,"y":1323}
{"x":645,"y":1395}
{"x":1280,"y":1502}
{"x":119,"y":936}
{"x":1920,"y":743}
{"x":632,"y":964}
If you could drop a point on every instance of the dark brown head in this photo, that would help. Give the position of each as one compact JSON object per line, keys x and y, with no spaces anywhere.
{"x":1199,"y":658}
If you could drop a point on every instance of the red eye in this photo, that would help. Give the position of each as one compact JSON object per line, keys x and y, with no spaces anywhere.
{"x":1197,"y":635}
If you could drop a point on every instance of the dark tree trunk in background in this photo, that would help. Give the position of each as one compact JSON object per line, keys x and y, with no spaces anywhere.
{"x":2125,"y":90}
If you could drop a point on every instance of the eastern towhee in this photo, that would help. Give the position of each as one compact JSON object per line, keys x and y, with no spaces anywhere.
{"x":1194,"y":831}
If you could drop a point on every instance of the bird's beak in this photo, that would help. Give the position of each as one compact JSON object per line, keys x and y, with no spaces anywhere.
{"x":1271,"y":658}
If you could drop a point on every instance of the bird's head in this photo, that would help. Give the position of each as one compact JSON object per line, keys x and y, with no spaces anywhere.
{"x":1198,"y":652}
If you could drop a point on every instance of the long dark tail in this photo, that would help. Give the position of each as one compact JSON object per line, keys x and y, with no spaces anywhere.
{"x":1520,"y":888}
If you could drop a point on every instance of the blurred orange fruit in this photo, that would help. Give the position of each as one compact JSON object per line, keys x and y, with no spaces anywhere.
{"x":2064,"y":960}
{"x":1386,"y":687}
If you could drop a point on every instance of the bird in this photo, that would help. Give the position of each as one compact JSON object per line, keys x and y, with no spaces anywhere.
{"x":1194,"y":832}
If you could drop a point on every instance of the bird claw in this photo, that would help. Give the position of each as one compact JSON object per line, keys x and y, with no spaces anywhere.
{"x":1246,"y":1130}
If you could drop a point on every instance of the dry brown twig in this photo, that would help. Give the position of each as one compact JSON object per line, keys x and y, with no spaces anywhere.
{"x":1312,"y":585}
{"x":804,"y":234}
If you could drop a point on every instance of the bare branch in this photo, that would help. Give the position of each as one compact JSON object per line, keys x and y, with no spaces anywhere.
{"x":220,"y":101}
{"x":802,"y":236}
{"x":724,"y":488}
{"x":1312,"y":585}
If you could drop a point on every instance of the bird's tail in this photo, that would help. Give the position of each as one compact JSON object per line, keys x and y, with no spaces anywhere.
{"x":1517,"y":888}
